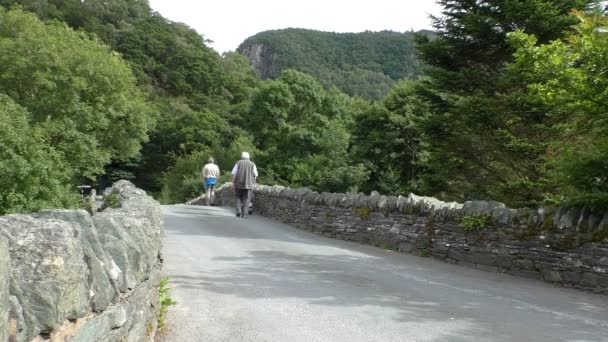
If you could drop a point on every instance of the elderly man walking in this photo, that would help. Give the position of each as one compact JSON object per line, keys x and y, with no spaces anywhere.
{"x":244,"y":174}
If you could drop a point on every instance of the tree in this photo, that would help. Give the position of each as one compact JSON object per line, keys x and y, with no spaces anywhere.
{"x":571,"y":77}
{"x":486,"y":136}
{"x":387,"y":138}
{"x":33,"y":175}
{"x":80,"y":93}
{"x":183,"y":180}
{"x":362,"y":64}
{"x":303,"y":134}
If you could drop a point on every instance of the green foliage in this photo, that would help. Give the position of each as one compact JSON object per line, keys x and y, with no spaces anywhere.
{"x":386,"y":137}
{"x":570,"y":77}
{"x":361,"y":64}
{"x":486,"y":135}
{"x":183,"y":180}
{"x":165,"y":301}
{"x":33,"y":175}
{"x":362,"y":212}
{"x":111,"y":200}
{"x":302,"y":132}
{"x":475,"y":222}
{"x":80,"y":93}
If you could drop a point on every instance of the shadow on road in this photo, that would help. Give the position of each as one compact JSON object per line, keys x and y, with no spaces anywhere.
{"x":450,"y":306}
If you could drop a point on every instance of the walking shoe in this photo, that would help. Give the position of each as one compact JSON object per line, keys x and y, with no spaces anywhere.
{"x":238,"y":214}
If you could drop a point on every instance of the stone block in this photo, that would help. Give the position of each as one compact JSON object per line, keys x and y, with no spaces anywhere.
{"x":406,"y":247}
{"x":16,"y":321}
{"x":102,"y":289}
{"x":523,"y":264}
{"x":488,"y":268}
{"x":552,"y":276}
{"x":48,"y":267}
{"x":487,"y":259}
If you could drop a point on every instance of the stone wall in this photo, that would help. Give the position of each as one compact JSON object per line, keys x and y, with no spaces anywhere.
{"x":564,"y":246}
{"x":76,"y":277}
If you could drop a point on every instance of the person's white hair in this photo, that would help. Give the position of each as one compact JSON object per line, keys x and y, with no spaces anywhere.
{"x":245,"y":155}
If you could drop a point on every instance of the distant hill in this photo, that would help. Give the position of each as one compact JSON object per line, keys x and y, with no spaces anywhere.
{"x":366,"y":64}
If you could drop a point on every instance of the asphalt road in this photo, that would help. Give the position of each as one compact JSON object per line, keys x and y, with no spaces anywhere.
{"x":256,"y":279}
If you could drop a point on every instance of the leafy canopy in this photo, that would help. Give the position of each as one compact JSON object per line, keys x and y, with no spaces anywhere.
{"x":80,"y":93}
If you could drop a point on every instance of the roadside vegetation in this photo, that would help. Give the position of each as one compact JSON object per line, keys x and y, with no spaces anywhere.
{"x":510,"y":106}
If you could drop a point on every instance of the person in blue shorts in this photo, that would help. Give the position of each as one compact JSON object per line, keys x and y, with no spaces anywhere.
{"x":211,"y":173}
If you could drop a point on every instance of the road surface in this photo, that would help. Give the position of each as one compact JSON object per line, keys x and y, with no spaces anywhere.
{"x":256,"y":279}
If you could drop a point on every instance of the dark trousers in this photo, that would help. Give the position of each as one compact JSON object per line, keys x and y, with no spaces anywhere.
{"x":243,"y":196}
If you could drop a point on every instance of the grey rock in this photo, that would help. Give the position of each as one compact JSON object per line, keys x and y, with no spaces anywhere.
{"x":4,"y":277}
{"x":16,"y":320}
{"x":47,"y":265}
{"x":406,"y":247}
{"x":102,"y":289}
{"x":481,"y":207}
{"x":552,"y":276}
{"x":524,"y":264}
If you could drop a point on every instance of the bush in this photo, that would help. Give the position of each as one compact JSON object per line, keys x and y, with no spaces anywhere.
{"x":33,"y":176}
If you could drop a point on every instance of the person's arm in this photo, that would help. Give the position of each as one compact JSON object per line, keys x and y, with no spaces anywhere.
{"x":235,"y":169}
{"x":255,"y":171}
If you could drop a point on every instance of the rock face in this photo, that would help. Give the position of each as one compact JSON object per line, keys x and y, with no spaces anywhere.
{"x":4,"y":301}
{"x":82,"y":278}
{"x":563,"y":246}
{"x":263,"y":59}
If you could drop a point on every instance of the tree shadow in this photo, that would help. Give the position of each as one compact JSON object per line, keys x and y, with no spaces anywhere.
{"x":345,"y":281}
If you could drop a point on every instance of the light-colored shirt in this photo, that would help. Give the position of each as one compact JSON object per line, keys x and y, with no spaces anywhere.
{"x":211,"y":170}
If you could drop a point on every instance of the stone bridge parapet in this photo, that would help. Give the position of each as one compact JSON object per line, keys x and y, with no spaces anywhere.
{"x":564,"y":246}
{"x":68,"y":276}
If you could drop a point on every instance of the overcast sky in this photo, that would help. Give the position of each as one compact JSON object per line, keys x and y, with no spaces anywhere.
{"x":229,"y":22}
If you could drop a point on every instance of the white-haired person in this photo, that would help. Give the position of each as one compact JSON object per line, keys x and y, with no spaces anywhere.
{"x":244,"y":174}
{"x":211,"y":174}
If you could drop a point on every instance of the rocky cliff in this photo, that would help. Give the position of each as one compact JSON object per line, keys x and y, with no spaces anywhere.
{"x":263,"y":59}
{"x":364,"y":64}
{"x":73,"y":276}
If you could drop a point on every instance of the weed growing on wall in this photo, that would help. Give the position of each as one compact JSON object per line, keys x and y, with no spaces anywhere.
{"x":474,"y":222}
{"x":165,"y":301}
{"x":111,"y":201}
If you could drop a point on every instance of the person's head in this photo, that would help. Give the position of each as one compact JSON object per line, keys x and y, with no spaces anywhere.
{"x":210,"y":160}
{"x":245,"y":155}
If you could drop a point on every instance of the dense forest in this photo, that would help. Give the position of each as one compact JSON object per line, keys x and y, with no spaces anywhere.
{"x":511,"y":107}
{"x":365,"y":64}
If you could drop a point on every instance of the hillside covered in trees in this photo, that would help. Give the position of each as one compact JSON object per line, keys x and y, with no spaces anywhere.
{"x":511,"y":107}
{"x":365,"y":64}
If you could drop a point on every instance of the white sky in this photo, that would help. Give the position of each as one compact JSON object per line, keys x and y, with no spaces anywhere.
{"x":229,"y":22}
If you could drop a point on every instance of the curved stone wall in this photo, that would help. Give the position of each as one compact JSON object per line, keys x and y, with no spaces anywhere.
{"x":73,"y":276}
{"x":563,"y":246}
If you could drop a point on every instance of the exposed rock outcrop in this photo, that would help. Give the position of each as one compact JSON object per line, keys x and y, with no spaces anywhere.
{"x":263,"y":59}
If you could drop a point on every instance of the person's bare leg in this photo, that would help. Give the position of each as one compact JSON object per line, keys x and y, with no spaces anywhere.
{"x":207,"y":196}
